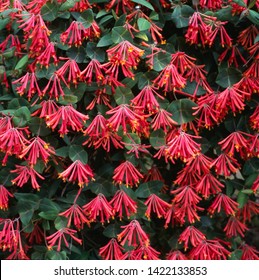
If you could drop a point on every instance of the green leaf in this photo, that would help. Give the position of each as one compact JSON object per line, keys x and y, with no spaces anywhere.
{"x":161,"y":60}
{"x":22,"y":116}
{"x":247,"y":191}
{"x":157,"y":138}
{"x":62,"y":152}
{"x":68,"y":5}
{"x":123,"y":95}
{"x":68,"y":99}
{"x":253,"y":16}
{"x":242,"y":199}
{"x":143,"y":24}
{"x":111,"y":231}
{"x":48,"y":205}
{"x":240,"y":2}
{"x":146,"y":189}
{"x":120,"y":34}
{"x":54,"y":255}
{"x":182,"y":110}
{"x":49,"y":11}
{"x":142,"y":36}
{"x":60,"y":222}
{"x":22,"y":62}
{"x":38,"y":127}
{"x":181,"y":14}
{"x":130,"y":138}
{"x":251,"y":166}
{"x":236,"y":255}
{"x":105,"y":41}
{"x":250,"y":179}
{"x":4,"y":22}
{"x":26,"y":212}
{"x":97,"y":188}
{"x":86,"y":17}
{"x":49,"y":215}
{"x":94,"y":52}
{"x":78,"y":54}
{"x":228,"y":76}
{"x":143,"y":3}
{"x":77,"y":152}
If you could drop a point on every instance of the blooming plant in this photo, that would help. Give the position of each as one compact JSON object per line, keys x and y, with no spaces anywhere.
{"x":129,"y":129}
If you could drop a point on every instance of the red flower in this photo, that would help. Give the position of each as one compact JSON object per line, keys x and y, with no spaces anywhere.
{"x":182,"y":61}
{"x":133,"y":234}
{"x":191,"y":235}
{"x":185,"y":196}
{"x":225,"y":165}
{"x":234,"y":141}
{"x":59,"y":236}
{"x":156,"y":205}
{"x":26,"y":173}
{"x":249,"y":252}
{"x":28,"y":84}
{"x":36,"y":149}
{"x":4,"y":197}
{"x":199,"y":164}
{"x":126,"y":173}
{"x":223,"y":201}
{"x":146,"y":99}
{"x":209,"y":250}
{"x":255,"y":185}
{"x":146,"y":252}
{"x":187,"y":176}
{"x":183,"y":146}
{"x":120,"y":5}
{"x":48,"y":107}
{"x":234,"y":227}
{"x":247,"y":36}
{"x":170,"y":79}
{"x":135,"y":148}
{"x":36,"y":236}
{"x":176,"y":255}
{"x":123,"y":115}
{"x":94,"y":67}
{"x":153,"y":174}
{"x":122,"y":202}
{"x":111,"y":251}
{"x":71,"y":68}
{"x":69,"y":118}
{"x":44,"y":58}
{"x":125,"y":55}
{"x":76,"y":213}
{"x":54,"y":88}
{"x":250,"y":209}
{"x":208,"y":185}
{"x":77,"y":172}
{"x":98,"y":206}
{"x":211,"y":4}
{"x":170,"y":216}
{"x":162,"y":119}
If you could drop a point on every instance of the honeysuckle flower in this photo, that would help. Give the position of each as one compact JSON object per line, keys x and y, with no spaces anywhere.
{"x":69,"y":71}
{"x":191,"y":235}
{"x":153,"y":174}
{"x":97,"y":126}
{"x":247,"y":36}
{"x":54,"y":88}
{"x":211,"y":4}
{"x":111,"y":251}
{"x":255,"y":185}
{"x":183,"y":146}
{"x":162,"y":119}
{"x":5,"y":124}
{"x":183,"y":62}
{"x":156,"y":205}
{"x":235,"y":141}
{"x":100,"y":97}
{"x":69,"y":117}
{"x":146,"y":99}
{"x":48,"y":107}
{"x":26,"y":173}
{"x":126,"y":173}
{"x":233,"y":56}
{"x":249,"y":252}
{"x":170,"y":79}
{"x":188,"y":213}
{"x":122,"y":203}
{"x":185,"y":196}
{"x":209,"y":250}
{"x":77,"y":172}
{"x":37,"y":234}
{"x":120,"y":5}
{"x":225,"y":203}
{"x":4,"y":197}
{"x":59,"y":237}
{"x":176,"y":255}
{"x":49,"y":53}
{"x":93,"y":69}
{"x":10,"y":42}
{"x":133,"y":235}
{"x":37,"y":148}
{"x":187,"y":176}
{"x":28,"y":85}
{"x":225,"y":165}
{"x":208,"y":185}
{"x":146,"y":252}
{"x":250,"y":209}
{"x":234,"y":227}
{"x":75,"y":216}
{"x":200,"y":164}
{"x":98,"y":207}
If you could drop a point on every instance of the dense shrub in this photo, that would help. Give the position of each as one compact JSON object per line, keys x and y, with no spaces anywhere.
{"x":129,"y":129}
